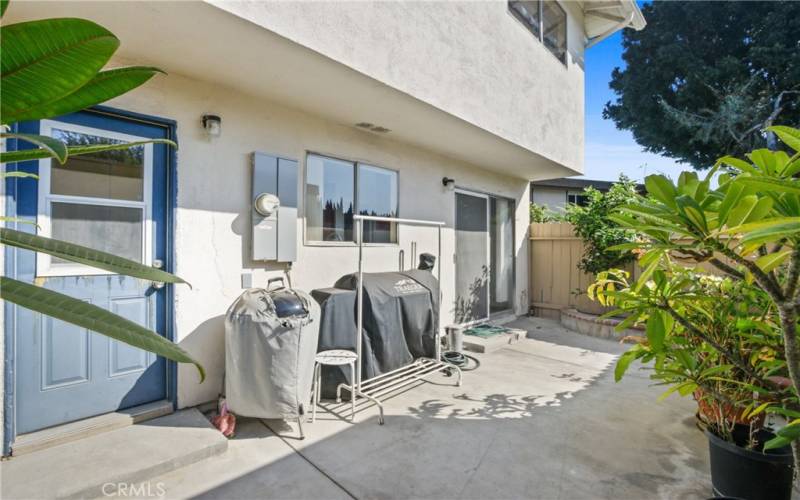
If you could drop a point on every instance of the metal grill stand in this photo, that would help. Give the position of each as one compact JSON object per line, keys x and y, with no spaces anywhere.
{"x":386,"y":383}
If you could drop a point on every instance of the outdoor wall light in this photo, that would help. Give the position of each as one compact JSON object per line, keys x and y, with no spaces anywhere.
{"x":212,"y":125}
{"x":448,"y":183}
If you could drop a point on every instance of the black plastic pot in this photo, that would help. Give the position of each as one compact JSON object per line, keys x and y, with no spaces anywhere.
{"x":748,"y":474}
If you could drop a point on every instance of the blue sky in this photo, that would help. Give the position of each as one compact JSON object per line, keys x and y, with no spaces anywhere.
{"x":609,"y":151}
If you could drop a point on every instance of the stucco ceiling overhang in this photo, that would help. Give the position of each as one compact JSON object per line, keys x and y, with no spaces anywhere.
{"x":205,"y":43}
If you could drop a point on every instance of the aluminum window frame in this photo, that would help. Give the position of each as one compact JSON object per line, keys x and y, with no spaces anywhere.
{"x":355,"y":163}
{"x":540,"y":36}
{"x":576,"y":195}
{"x":45,"y":199}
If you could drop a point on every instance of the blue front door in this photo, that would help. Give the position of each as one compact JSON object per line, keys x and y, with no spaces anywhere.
{"x":116,"y":202}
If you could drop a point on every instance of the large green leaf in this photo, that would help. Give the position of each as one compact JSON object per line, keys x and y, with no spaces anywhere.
{"x":85,"y":255}
{"x":692,"y":211}
{"x":733,"y":194}
{"x":763,"y":159}
{"x":56,"y":148}
{"x":741,"y":212}
{"x":791,"y":169}
{"x":771,"y":184}
{"x":661,"y":189}
{"x":784,"y":436}
{"x":772,"y":233}
{"x":737,"y":164}
{"x":43,"y":61}
{"x":656,"y":331}
{"x":763,"y":224}
{"x":623,"y":363}
{"x":104,"y":86}
{"x":38,"y":154}
{"x":86,"y":315}
{"x":772,"y":260}
{"x":790,"y":136}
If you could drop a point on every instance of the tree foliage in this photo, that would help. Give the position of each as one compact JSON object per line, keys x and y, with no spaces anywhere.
{"x":592,"y":223}
{"x":706,"y":77}
{"x":541,"y":213}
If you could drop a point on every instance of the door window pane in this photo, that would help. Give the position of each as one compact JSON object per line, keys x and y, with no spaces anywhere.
{"x":117,"y":230}
{"x":329,"y":199}
{"x":377,"y":195}
{"x":502,"y":254}
{"x":117,"y":175}
{"x":554,"y":25}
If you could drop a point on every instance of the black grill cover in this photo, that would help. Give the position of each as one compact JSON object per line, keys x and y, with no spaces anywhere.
{"x":400,"y":316}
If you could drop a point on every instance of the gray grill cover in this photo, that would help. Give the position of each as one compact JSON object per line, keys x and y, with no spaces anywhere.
{"x":400,"y":317}
{"x":269,"y":361}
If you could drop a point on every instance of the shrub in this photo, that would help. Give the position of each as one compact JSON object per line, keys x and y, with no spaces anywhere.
{"x":598,"y":232}
{"x":748,"y":228}
{"x":542,"y":214}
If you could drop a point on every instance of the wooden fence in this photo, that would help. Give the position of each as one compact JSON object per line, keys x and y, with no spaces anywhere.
{"x":555,"y":281}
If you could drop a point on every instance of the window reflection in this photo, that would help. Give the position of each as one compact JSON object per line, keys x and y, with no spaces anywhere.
{"x":117,"y":175}
{"x":333,"y":190}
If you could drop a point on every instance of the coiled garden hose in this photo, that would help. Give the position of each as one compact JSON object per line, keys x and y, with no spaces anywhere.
{"x":461,"y":360}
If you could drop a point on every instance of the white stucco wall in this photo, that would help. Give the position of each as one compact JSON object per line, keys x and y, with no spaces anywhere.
{"x":213,"y":215}
{"x":472,"y":59}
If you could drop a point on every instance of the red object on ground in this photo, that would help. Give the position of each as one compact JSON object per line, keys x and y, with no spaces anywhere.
{"x":225,"y":421}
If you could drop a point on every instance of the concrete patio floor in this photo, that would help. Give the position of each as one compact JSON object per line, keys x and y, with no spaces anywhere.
{"x":542,"y":418}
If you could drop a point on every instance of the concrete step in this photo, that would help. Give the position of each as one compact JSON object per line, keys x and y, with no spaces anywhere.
{"x":491,"y":344}
{"x":73,"y":431}
{"x":129,"y":455}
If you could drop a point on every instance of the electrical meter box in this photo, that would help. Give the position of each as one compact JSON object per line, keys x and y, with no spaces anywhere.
{"x":274,"y":208}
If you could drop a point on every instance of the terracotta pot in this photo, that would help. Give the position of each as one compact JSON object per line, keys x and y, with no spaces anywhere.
{"x":709,"y":411}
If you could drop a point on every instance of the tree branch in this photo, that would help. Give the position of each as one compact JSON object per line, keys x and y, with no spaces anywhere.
{"x":713,"y":343}
{"x":793,"y":276}
{"x":767,"y":281}
{"x":725,"y":268}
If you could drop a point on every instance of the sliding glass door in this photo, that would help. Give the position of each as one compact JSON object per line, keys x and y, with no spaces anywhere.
{"x":472,"y":257}
{"x":484,"y":256}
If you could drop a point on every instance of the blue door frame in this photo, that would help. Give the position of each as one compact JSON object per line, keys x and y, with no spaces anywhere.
{"x":18,"y":205}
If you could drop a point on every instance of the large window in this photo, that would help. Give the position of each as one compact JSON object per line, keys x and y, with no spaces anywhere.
{"x":547,"y":20}
{"x":337,"y":189}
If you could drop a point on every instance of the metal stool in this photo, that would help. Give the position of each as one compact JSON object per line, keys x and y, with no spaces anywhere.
{"x":334,"y":357}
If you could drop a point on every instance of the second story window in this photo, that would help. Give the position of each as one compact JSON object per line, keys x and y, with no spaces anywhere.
{"x":547,"y":20}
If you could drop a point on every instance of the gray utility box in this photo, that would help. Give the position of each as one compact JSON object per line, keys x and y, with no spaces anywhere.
{"x":275,"y":235}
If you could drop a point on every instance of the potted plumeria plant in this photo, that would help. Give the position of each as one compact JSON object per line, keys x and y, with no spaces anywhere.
{"x":730,"y":341}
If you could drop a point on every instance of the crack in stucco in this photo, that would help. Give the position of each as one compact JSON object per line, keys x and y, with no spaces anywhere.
{"x":217,"y":260}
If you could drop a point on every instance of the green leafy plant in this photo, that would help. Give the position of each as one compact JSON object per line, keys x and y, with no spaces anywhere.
{"x":599,"y":232}
{"x":709,"y":336}
{"x":541,"y":214}
{"x":748,"y":228}
{"x":52,"y":67}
